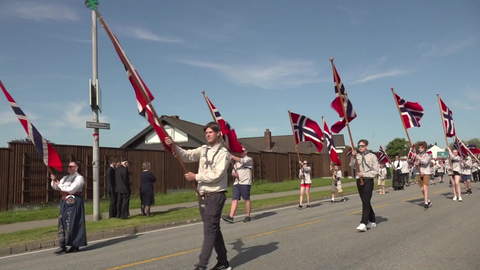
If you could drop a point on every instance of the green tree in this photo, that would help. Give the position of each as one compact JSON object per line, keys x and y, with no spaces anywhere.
{"x":397,"y":147}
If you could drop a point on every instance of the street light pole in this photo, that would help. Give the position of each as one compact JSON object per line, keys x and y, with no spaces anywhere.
{"x":92,"y":4}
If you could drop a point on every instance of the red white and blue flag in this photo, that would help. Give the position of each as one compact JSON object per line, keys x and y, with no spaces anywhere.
{"x":448,"y":120}
{"x":382,"y":156}
{"x":228,"y":133}
{"x":306,"y":130}
{"x":410,"y":153}
{"x":44,"y":148}
{"x":412,"y":112}
{"x":473,"y":148}
{"x":142,"y":93}
{"x":461,"y":148}
{"x":330,"y":144}
{"x":337,"y":104}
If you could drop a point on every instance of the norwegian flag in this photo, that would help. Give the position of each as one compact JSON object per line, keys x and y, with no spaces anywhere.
{"x":228,"y":133}
{"x":448,"y":120}
{"x":141,"y":90}
{"x":412,"y":112}
{"x":461,"y":148}
{"x":337,"y":104}
{"x":306,"y":130}
{"x":473,"y":148}
{"x":410,"y":153}
{"x":330,"y":144}
{"x":45,"y":150}
{"x":382,"y":156}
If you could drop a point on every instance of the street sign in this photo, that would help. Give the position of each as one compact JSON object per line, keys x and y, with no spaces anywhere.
{"x":98,"y":125}
{"x":443,"y":154}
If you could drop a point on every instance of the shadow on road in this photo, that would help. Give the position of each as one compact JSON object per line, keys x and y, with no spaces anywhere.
{"x":380,"y":219}
{"x":263,"y":215}
{"x":109,"y":242}
{"x":246,"y":254}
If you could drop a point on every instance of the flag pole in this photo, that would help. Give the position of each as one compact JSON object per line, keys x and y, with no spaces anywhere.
{"x":215,"y":119}
{"x":345,"y":115}
{"x":149,"y":102}
{"x":294,"y":142}
{"x":331,"y":162}
{"x":405,"y":127}
{"x":443,"y":125}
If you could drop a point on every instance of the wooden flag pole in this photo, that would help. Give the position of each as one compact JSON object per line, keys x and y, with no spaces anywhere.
{"x":405,"y":128}
{"x":444,"y":128}
{"x":295,"y":143}
{"x":345,"y":116}
{"x":215,"y":119}
{"x":157,"y":120}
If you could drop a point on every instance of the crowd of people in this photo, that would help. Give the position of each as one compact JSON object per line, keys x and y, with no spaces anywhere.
{"x":212,"y":179}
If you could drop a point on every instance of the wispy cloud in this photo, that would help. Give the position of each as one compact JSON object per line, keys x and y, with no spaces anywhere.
{"x":355,"y":16}
{"x":8,"y":117}
{"x":392,"y":73}
{"x":74,"y":115}
{"x":146,"y":34}
{"x":471,"y":96}
{"x":282,"y":74}
{"x":463,"y":105}
{"x":40,"y":11}
{"x":448,"y":49}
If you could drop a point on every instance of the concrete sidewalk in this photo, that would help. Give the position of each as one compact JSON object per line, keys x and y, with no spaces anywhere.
{"x":52,"y":222}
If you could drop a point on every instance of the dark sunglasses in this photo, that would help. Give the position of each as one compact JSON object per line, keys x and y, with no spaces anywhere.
{"x":72,"y":166}
{"x":361,"y":145}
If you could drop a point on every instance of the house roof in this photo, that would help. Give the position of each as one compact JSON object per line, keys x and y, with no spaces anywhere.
{"x":285,"y":144}
{"x":192,"y":129}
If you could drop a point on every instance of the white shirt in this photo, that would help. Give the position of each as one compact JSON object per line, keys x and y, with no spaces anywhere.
{"x":244,"y":169}
{"x":338,"y":175}
{"x":397,"y":164}
{"x":382,"y":173}
{"x":306,"y":177}
{"x":70,"y":184}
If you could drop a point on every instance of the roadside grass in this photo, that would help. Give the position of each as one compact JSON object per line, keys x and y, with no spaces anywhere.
{"x":179,"y":215}
{"x":260,"y":187}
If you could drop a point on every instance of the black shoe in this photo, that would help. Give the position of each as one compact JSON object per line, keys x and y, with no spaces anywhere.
{"x":332,"y":201}
{"x":228,"y":219}
{"x":308,"y":206}
{"x":299,"y":207}
{"x":247,"y":219}
{"x":73,"y":249}
{"x":430,"y":204}
{"x":425,"y":207}
{"x":343,"y":200}
{"x":61,"y":250}
{"x":222,"y":266}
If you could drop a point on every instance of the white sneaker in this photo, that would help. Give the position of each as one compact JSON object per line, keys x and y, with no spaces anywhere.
{"x":362,"y":228}
{"x":371,"y":225}
{"x":460,"y":199}
{"x":454,"y":198}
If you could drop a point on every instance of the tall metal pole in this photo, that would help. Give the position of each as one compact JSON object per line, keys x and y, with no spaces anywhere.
{"x":96,"y":138}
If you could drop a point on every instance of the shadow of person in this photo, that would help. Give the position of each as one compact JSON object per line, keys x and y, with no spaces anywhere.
{"x":109,"y":242}
{"x":380,"y":219}
{"x":263,"y":215}
{"x":246,"y":254}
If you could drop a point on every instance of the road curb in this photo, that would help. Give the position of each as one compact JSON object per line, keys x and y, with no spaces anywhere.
{"x":109,"y":234}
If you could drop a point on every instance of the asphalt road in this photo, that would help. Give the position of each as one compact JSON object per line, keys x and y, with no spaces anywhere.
{"x":324,"y":237}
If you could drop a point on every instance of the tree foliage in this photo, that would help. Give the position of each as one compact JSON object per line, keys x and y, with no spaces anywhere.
{"x":25,"y":140}
{"x":397,"y":147}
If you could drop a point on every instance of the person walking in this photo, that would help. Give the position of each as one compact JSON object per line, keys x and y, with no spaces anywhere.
{"x":147,"y":195}
{"x":213,"y":160}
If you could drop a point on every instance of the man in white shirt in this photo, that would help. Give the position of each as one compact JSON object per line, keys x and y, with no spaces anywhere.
{"x":241,"y":185}
{"x":397,"y":173}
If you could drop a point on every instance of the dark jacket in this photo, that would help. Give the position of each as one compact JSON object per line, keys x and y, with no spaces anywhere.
{"x":110,"y":179}
{"x":122,"y":180}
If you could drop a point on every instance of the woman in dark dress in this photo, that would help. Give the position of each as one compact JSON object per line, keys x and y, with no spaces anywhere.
{"x":71,"y":221}
{"x":146,"y":189}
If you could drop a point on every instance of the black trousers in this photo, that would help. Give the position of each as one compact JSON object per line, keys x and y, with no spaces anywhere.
{"x":476,"y":176}
{"x":365,"y":192}
{"x":113,"y":213}
{"x":123,"y":200}
{"x":212,"y":235}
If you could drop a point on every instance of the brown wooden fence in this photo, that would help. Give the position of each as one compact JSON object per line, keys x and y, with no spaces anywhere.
{"x":23,"y":176}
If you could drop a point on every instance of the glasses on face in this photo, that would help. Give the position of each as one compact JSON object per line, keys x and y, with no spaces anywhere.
{"x":71,"y":166}
{"x":244,"y":150}
{"x":362,"y":145}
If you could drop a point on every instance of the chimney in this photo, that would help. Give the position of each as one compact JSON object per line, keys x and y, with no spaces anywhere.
{"x":175,"y":116}
{"x":268,"y":140}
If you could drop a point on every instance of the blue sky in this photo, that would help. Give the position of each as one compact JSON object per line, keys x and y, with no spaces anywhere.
{"x":270,"y":55}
